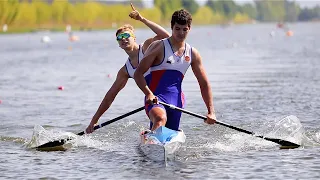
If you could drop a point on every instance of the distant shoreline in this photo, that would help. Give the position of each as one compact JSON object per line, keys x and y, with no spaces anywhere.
{"x":79,"y":29}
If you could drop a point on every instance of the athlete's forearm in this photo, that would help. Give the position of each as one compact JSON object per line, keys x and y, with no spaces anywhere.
{"x":141,"y":82}
{"x":156,"y":28}
{"x":104,"y":106}
{"x":207,"y":97}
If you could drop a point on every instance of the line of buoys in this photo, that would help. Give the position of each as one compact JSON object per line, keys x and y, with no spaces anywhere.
{"x":286,"y":29}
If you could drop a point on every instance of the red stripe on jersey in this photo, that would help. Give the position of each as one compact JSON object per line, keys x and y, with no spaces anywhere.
{"x":155,"y":78}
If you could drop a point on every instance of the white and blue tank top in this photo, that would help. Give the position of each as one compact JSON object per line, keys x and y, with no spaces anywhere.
{"x":130,"y":68}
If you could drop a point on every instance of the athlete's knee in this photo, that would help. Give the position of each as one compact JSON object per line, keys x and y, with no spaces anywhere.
{"x":159,"y":118}
{"x":158,"y":113}
{"x":157,"y":121}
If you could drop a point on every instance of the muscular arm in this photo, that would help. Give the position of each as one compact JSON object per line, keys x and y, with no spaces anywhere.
{"x":205,"y":87}
{"x":119,"y":83}
{"x":156,"y":28}
{"x":151,"y":57}
{"x":160,"y":31}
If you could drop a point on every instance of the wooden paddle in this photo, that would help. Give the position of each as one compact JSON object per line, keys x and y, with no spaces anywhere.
{"x":284,"y":144}
{"x":56,"y":145}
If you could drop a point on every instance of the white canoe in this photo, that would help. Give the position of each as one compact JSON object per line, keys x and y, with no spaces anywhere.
{"x":161,"y":143}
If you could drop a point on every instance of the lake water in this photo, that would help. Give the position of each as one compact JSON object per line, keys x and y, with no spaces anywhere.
{"x":262,"y":81}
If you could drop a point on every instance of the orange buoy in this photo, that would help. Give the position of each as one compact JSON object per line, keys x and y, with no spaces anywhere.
{"x":289,"y":33}
{"x":73,"y":38}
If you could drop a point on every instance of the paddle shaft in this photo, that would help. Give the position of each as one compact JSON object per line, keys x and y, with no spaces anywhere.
{"x":204,"y":118}
{"x":281,"y":142}
{"x":63,"y":141}
{"x":114,"y":120}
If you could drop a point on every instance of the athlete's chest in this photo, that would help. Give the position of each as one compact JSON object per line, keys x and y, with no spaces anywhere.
{"x":134,"y":61}
{"x":178,"y":51}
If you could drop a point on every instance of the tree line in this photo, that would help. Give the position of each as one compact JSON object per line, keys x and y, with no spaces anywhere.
{"x":20,"y":14}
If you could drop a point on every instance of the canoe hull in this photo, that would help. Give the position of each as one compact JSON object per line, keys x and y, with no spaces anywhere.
{"x":161,"y":144}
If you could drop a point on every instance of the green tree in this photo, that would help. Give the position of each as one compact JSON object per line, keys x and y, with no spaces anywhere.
{"x":8,"y":11}
{"x":308,"y":14}
{"x":70,"y":14}
{"x":27,"y":15}
{"x":226,"y":7}
{"x":292,"y":11}
{"x":190,"y":5}
{"x":58,"y":10}
{"x":250,"y":10}
{"x":205,"y":15}
{"x":271,"y":10}
{"x":167,"y":7}
{"x":43,"y":12}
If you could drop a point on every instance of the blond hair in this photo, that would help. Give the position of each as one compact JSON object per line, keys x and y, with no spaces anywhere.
{"x":126,"y":27}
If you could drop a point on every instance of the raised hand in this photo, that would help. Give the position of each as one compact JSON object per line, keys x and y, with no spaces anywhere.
{"x":135,"y":14}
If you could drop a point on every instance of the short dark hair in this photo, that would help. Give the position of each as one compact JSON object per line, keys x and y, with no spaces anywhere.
{"x":181,"y":17}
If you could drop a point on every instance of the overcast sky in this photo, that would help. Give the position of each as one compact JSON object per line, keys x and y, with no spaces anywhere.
{"x":303,"y":3}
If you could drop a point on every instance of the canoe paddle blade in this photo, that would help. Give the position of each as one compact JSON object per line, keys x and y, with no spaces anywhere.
{"x":284,"y":144}
{"x":57,"y":145}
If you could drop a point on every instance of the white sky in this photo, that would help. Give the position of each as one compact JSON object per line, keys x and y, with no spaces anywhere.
{"x":303,"y":3}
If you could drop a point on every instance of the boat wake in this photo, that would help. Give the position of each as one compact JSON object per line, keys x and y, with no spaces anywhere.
{"x":288,"y":128}
{"x":12,"y":139}
{"x":41,"y":136}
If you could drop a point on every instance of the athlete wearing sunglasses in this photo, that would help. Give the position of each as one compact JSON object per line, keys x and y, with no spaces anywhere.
{"x":127,"y":41}
{"x":124,"y":35}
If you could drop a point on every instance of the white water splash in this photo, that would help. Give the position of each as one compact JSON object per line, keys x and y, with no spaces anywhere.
{"x":316,"y":137}
{"x":41,"y":136}
{"x":240,"y":142}
{"x":288,"y":128}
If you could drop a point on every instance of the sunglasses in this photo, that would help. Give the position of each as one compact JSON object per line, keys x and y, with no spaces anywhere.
{"x":124,"y":35}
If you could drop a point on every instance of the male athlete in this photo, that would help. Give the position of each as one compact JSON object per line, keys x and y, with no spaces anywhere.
{"x":168,"y":60}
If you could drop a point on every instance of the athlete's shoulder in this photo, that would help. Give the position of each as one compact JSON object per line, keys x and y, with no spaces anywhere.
{"x":157,"y":42}
{"x":155,"y":45}
{"x":195,"y":53}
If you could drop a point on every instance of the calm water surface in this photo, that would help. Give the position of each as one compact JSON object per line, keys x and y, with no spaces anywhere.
{"x":262,"y":81}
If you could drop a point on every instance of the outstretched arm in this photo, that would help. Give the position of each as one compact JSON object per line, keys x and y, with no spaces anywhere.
{"x":119,"y":83}
{"x":205,"y":87}
{"x":161,"y":33}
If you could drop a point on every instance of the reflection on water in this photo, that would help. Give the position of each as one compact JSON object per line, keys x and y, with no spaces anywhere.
{"x":265,"y":84}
